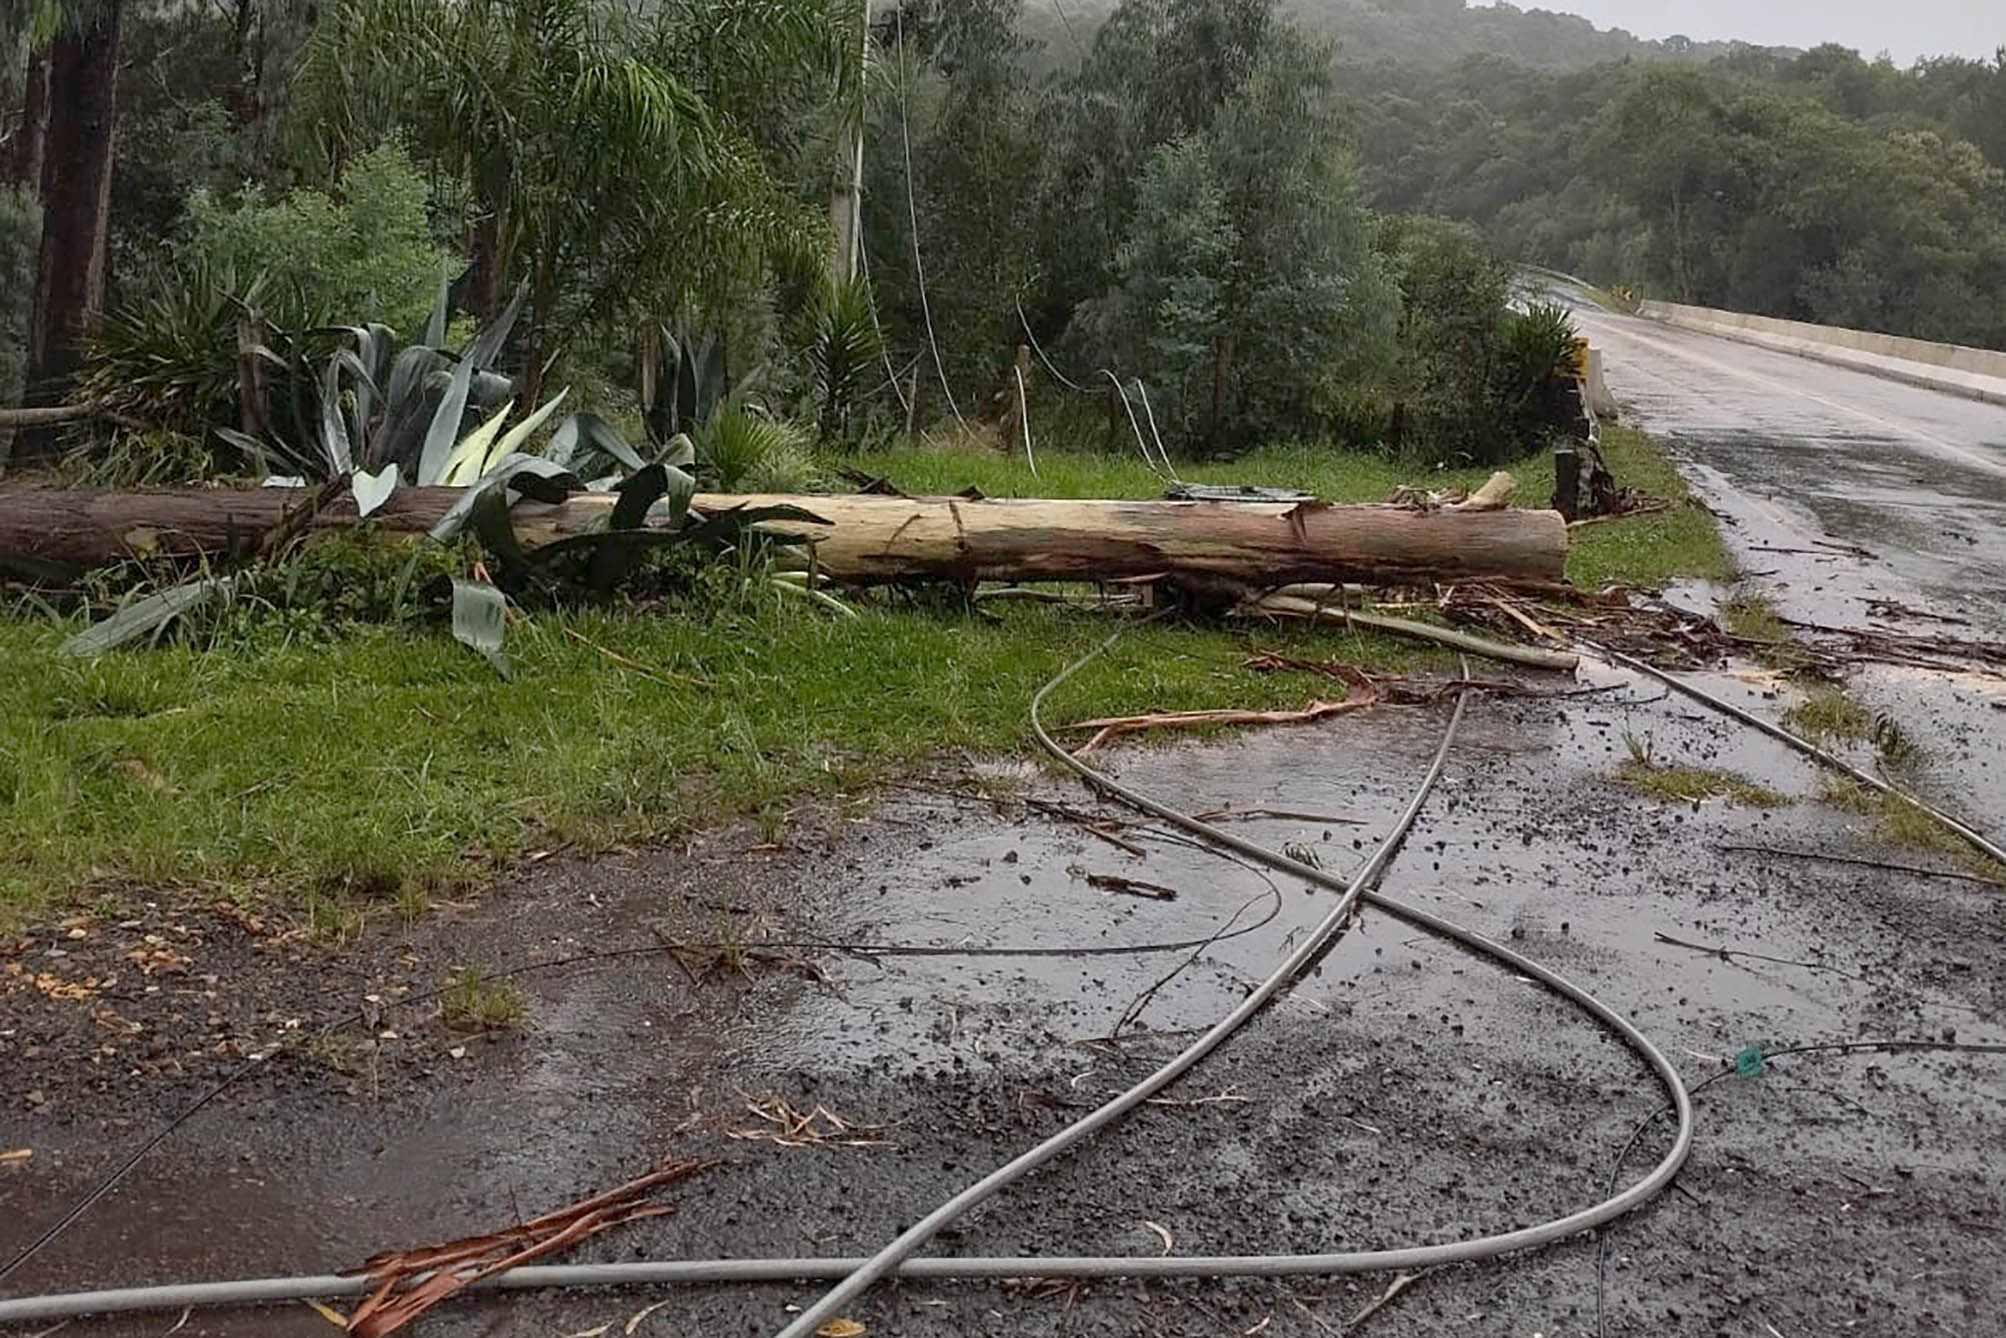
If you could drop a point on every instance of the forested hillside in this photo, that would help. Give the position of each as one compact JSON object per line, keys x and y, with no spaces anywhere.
{"x":1285,"y":222}
{"x":1816,"y":184}
{"x":1417,"y":32}
{"x":651,"y":203}
{"x":1819,"y":187}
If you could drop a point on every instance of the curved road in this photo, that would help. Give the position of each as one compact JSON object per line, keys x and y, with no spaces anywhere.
{"x":1821,"y":462}
{"x":1849,"y":500}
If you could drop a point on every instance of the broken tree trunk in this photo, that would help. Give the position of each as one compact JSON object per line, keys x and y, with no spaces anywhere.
{"x":871,"y":539}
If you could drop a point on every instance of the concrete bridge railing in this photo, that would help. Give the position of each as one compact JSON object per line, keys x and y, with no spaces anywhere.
{"x":1975,"y":373}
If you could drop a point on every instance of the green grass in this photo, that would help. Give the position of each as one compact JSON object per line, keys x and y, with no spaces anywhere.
{"x":1828,"y":715}
{"x":336,"y":777}
{"x":1753,"y":618}
{"x":1643,"y":551}
{"x":365,"y":773}
{"x":1899,"y":823}
{"x":1329,"y":473}
{"x":1690,"y":785}
{"x":475,"y":999}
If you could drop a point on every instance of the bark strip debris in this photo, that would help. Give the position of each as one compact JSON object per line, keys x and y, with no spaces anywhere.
{"x":1109,"y":727}
{"x":410,"y":1282}
{"x":1132,"y":887}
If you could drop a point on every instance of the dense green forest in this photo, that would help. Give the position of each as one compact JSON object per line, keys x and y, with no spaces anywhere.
{"x":1283,"y":221}
{"x":1415,"y":32}
{"x":1816,"y":185}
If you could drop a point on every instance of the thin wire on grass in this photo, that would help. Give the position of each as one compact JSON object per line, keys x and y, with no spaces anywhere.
{"x":1024,"y":418}
{"x":1162,"y":454}
{"x":912,"y":215}
{"x":1075,"y":386}
{"x":1134,"y":426}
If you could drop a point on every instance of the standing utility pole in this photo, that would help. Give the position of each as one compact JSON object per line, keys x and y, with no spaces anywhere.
{"x":846,"y":196}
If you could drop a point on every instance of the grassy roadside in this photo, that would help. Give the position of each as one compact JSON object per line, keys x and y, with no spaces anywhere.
{"x":386,"y":764}
{"x":379,"y":766}
{"x":1644,"y":551}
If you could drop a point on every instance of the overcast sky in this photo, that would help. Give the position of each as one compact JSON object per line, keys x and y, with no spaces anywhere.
{"x":1903,"y":28}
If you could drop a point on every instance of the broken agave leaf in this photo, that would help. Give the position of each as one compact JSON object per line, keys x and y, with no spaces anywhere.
{"x":496,"y":532}
{"x":614,"y":558}
{"x":372,"y":490}
{"x":480,"y":618}
{"x":531,"y":475}
{"x":143,"y":617}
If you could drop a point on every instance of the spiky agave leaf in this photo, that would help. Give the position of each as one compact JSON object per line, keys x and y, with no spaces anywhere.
{"x":144,"y":617}
{"x":465,"y":464}
{"x":514,"y":439}
{"x":444,"y":433}
{"x":480,"y":621}
{"x":532,"y":475}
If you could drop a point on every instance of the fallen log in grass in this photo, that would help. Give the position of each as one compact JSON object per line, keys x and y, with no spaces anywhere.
{"x":870,"y":539}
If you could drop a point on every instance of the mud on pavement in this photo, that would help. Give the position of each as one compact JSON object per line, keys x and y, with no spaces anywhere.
{"x":1406,"y":1093}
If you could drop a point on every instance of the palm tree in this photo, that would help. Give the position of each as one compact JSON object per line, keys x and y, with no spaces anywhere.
{"x":603,"y":171}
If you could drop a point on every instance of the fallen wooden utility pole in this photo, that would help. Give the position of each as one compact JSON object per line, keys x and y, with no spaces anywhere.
{"x":870,"y":539}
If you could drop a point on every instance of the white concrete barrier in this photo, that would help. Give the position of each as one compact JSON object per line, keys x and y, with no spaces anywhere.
{"x":1976,"y":373}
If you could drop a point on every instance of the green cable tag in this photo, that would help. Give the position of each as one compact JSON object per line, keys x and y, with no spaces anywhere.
{"x":1748,"y":1063}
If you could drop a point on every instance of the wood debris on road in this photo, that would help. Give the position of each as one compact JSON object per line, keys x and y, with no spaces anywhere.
{"x":410,"y":1282}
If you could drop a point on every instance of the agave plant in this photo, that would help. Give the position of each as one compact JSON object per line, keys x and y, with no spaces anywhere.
{"x":359,"y":405}
{"x":378,"y":415}
{"x":652,"y":513}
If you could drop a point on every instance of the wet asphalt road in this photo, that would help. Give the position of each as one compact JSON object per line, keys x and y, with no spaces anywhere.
{"x":1848,"y":500}
{"x":1406,"y":1093}
{"x":1800,"y":455}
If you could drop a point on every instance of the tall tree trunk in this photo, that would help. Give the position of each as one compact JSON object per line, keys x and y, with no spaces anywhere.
{"x":1222,"y":388}
{"x":484,"y":298}
{"x":76,"y":208}
{"x":846,"y":192}
{"x":24,"y":158}
{"x":249,"y":101}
